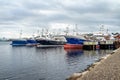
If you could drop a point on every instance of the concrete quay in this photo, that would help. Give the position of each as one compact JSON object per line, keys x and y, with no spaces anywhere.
{"x":107,"y":68}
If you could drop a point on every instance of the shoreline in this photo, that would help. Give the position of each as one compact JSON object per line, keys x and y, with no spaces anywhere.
{"x":79,"y":76}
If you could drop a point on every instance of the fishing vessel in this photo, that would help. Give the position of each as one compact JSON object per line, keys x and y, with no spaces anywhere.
{"x":19,"y":42}
{"x":51,"y":41}
{"x":75,"y":42}
{"x":31,"y":42}
{"x":23,"y":42}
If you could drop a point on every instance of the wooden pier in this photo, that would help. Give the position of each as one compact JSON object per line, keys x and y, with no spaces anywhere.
{"x":107,"y":44}
{"x":94,"y":45}
{"x":89,"y":45}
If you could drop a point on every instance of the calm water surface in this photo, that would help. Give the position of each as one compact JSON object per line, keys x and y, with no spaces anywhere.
{"x":31,"y":63}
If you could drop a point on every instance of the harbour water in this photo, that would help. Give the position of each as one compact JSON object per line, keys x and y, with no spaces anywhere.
{"x":31,"y":63}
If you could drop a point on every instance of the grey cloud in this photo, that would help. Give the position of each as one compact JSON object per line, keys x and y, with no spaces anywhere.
{"x":87,"y":14}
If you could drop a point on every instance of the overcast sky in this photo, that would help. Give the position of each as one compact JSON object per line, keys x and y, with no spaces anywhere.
{"x":32,"y":15}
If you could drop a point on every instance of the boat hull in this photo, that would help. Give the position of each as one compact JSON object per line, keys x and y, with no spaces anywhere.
{"x":19,"y":43}
{"x":74,"y":42}
{"x":73,"y":46}
{"x":31,"y":42}
{"x":50,"y":42}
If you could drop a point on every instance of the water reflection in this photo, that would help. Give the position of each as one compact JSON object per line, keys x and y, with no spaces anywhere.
{"x":31,"y":63}
{"x":74,"y":52}
{"x":75,"y":57}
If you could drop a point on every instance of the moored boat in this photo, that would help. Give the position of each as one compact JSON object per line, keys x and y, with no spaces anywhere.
{"x":31,"y":42}
{"x":51,"y":42}
{"x":74,"y":42}
{"x":19,"y":42}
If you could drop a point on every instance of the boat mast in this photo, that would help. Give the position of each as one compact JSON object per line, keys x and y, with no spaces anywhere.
{"x":67,"y":30}
{"x":102,"y":29}
{"x":20,"y":34}
{"x":76,"y":29}
{"x":42,"y":32}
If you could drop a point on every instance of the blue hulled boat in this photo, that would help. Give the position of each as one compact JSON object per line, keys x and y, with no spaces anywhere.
{"x":24,"y":42}
{"x":19,"y":42}
{"x":31,"y":42}
{"x":74,"y":41}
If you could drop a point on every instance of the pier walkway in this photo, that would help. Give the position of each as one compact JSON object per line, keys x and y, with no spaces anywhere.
{"x":107,"y":69}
